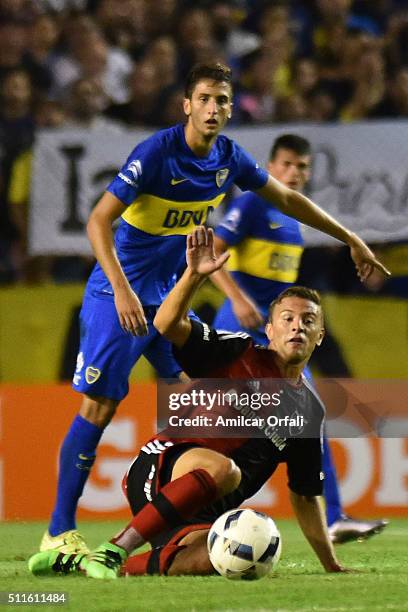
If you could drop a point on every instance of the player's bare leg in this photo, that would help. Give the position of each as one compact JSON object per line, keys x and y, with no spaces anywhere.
{"x":98,"y":410}
{"x":222,"y":469}
{"x":77,"y":456}
{"x":193,"y":559}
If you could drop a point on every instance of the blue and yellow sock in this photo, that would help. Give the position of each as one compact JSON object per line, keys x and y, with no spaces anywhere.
{"x":334,"y":511}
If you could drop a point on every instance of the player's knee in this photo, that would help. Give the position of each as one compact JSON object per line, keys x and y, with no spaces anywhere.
{"x":98,"y":410}
{"x":227,"y":475}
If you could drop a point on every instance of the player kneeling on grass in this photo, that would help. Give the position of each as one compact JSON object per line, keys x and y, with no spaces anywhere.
{"x":177,"y":487}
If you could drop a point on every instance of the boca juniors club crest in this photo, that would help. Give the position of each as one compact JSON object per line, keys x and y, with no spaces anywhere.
{"x":221,"y":177}
{"x":92,"y":374}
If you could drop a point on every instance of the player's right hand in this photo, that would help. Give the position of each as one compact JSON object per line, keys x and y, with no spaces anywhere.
{"x":337,"y":569}
{"x":247,"y":312}
{"x":130,"y":312}
{"x":200,"y":253}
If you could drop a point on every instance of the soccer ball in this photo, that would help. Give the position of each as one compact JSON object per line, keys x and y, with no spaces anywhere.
{"x":244,"y":544}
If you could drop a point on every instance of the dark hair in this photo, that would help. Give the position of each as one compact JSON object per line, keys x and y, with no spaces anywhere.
{"x":295,"y":143}
{"x":296,"y":291}
{"x":215,"y":72}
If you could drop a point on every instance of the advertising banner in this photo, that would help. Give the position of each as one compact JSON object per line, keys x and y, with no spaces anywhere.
{"x":373,"y":471}
{"x":359,"y":176}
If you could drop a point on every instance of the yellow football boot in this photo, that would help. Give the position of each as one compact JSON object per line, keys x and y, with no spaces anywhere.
{"x":68,"y":542}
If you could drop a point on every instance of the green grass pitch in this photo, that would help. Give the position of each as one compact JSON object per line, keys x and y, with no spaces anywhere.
{"x":298,"y":584}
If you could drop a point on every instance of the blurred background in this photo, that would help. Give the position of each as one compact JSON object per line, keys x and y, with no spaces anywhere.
{"x":82,"y":81}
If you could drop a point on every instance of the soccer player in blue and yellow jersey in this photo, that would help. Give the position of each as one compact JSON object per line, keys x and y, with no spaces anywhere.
{"x":169,"y":184}
{"x":265,"y":248}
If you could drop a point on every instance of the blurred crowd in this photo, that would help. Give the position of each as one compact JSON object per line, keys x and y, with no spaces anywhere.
{"x":100,"y":63}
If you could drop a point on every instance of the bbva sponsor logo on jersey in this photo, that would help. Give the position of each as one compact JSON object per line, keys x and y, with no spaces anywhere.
{"x":183,"y":218}
{"x":221,"y":177}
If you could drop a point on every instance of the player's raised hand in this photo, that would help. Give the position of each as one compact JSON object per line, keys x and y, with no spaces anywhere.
{"x":130,"y":312}
{"x":364,"y":259}
{"x":200,"y":252}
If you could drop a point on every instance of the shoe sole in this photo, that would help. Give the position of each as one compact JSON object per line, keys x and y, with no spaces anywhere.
{"x":360,"y":538}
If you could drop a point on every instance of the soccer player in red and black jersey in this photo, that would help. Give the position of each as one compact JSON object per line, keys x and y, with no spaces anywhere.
{"x":177,"y":487}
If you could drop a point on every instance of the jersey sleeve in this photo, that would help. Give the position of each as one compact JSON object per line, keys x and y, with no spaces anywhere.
{"x":137,"y":173}
{"x":236,"y":223}
{"x":304,"y":466}
{"x":250,"y":175}
{"x":207,"y":349}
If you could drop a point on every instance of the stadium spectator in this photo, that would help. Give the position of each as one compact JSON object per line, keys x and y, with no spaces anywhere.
{"x":124,"y":23}
{"x":144,"y":88}
{"x":89,"y":55}
{"x":195,"y":39}
{"x":276,"y":39}
{"x":257,"y":100}
{"x":19,"y":10}
{"x":234,"y":41}
{"x":368,"y":77}
{"x":49,"y":113}
{"x":74,"y":32}
{"x":13,"y":41}
{"x":395,"y":101}
{"x":84,"y":102}
{"x":161,"y":17}
{"x":171,"y":106}
{"x":16,"y":136}
{"x":396,"y":37}
{"x":304,"y":77}
{"x":82,"y":109}
{"x":162,"y":52}
{"x":317,"y":52}
{"x":321,"y":104}
{"x":291,"y":109}
{"x":43,"y":36}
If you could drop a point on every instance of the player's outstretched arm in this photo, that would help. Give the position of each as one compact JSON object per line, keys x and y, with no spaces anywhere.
{"x":300,"y":207}
{"x":99,"y":228}
{"x":310,"y":515}
{"x":244,"y":307}
{"x":171,"y":319}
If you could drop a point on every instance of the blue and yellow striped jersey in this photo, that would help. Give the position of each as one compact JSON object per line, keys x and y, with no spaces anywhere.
{"x":266,"y":247}
{"x":168,"y":191}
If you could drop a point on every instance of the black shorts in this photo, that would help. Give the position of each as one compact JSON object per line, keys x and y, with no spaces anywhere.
{"x":146,"y":476}
{"x":153,"y":469}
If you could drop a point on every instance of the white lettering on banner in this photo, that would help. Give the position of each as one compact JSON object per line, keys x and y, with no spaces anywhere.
{"x":358,"y":176}
{"x":360,"y":472}
{"x":393,"y":489}
{"x":121,"y":434}
{"x":360,"y":459}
